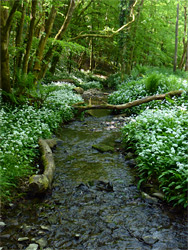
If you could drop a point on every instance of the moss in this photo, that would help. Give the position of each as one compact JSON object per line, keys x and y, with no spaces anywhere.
{"x":103,"y":148}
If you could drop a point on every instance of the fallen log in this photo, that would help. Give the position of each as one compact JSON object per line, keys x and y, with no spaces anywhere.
{"x":41,"y":182}
{"x":129,"y":104}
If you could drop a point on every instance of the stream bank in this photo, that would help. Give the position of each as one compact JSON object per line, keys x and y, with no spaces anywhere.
{"x":94,"y":203}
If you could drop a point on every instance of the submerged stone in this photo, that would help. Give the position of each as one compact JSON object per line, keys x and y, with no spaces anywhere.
{"x":32,"y":247}
{"x":150,"y":239}
{"x":42,"y":242}
{"x":2,"y":224}
{"x":23,"y":239}
{"x":104,"y":186}
{"x":103,"y":148}
{"x":158,"y":195}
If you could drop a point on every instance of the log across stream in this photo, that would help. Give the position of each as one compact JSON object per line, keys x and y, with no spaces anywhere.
{"x":94,"y":202}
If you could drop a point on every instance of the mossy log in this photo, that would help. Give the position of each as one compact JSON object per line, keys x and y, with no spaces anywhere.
{"x":41,"y":182}
{"x":129,"y":104}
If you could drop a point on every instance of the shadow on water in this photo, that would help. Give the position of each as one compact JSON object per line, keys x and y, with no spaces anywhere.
{"x":94,"y":203}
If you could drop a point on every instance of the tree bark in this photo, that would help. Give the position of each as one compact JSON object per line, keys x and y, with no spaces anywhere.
{"x":129,"y":104}
{"x":40,"y":183}
{"x":19,"y":34}
{"x":176,"y":39}
{"x":43,"y":41}
{"x":135,"y":32}
{"x":184,"y":40}
{"x":5,"y":25}
{"x":186,"y":63}
{"x":30,"y":36}
{"x":47,"y":58}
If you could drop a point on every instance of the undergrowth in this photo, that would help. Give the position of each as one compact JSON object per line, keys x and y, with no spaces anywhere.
{"x":159,"y":134}
{"x":160,"y":140}
{"x":21,"y":127}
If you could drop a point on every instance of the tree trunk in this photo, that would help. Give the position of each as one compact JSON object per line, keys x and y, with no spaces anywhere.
{"x":30,"y":36}
{"x":183,"y":56}
{"x":125,"y":37}
{"x":19,"y":33}
{"x":176,"y":39}
{"x":186,"y":63}
{"x":55,"y":59}
{"x":70,"y":62}
{"x":5,"y":25}
{"x":184,"y":40}
{"x":129,"y":104}
{"x":135,"y":32}
{"x":43,"y":41}
{"x":91,"y":62}
{"x":47,"y":58}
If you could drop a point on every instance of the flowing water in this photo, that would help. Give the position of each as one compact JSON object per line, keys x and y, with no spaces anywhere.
{"x":94,"y":203}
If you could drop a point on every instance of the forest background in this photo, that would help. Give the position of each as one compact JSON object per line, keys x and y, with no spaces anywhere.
{"x":39,"y":36}
{"x":44,"y":41}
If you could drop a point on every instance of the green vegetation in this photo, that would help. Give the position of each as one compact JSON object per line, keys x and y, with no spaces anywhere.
{"x":91,"y":85}
{"x":158,"y":135}
{"x":149,"y":84}
{"x":54,"y":41}
{"x":22,"y":126}
{"x":160,"y":140}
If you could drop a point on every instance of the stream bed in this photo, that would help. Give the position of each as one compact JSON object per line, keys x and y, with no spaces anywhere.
{"x":94,"y":203}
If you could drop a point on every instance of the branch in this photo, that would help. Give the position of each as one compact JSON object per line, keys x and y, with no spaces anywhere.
{"x":114,"y":33}
{"x":129,"y":104}
{"x":66,"y":21}
{"x":11,"y":15}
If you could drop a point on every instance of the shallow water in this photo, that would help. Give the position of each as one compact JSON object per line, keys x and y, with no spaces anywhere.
{"x":94,"y":203}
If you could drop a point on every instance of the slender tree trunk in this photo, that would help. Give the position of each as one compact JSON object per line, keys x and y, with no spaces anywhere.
{"x":5,"y":25}
{"x":91,"y":62}
{"x":184,"y":39}
{"x":19,"y":34}
{"x":70,"y":63}
{"x":48,"y":56}
{"x":55,"y":59}
{"x":81,"y":60}
{"x":176,"y":39}
{"x":134,"y":33}
{"x":43,"y":41}
{"x":125,"y":37}
{"x":30,"y":36}
{"x":183,"y":57}
{"x":186,"y":63}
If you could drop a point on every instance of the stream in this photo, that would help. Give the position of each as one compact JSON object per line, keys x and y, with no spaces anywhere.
{"x":94,"y":203}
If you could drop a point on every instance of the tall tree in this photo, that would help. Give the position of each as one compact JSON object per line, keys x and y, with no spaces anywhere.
{"x":184,"y":40}
{"x":176,"y":39}
{"x":48,"y":56}
{"x":43,"y":40}
{"x":19,"y":37}
{"x":186,"y":63}
{"x":5,"y":25}
{"x":30,"y":36}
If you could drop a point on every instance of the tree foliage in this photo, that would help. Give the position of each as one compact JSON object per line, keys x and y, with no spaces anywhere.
{"x":105,"y":35}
